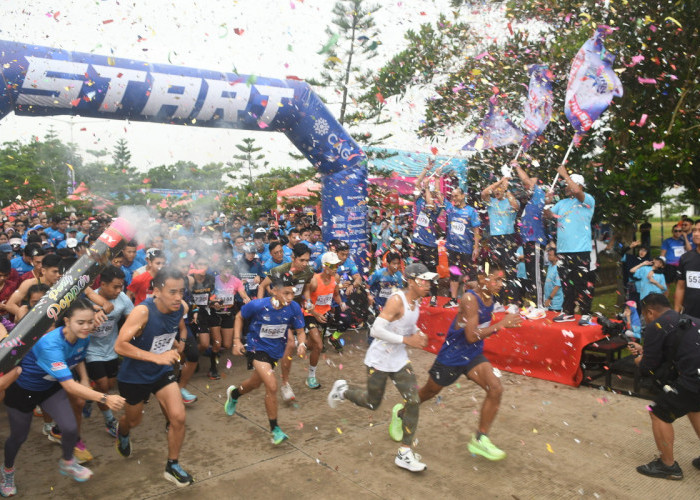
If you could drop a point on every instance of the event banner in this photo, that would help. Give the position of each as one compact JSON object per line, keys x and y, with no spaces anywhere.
{"x":46,"y":81}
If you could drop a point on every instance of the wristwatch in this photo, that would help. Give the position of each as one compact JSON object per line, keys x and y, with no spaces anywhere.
{"x":103,"y":399}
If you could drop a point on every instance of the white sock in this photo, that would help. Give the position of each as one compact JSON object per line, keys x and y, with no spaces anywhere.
{"x":312,"y":371}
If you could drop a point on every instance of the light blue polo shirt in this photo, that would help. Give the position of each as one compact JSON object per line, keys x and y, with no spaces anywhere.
{"x":501,"y":217}
{"x":574,"y":224}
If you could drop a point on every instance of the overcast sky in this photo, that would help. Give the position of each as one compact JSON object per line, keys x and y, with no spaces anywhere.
{"x":272,"y":38}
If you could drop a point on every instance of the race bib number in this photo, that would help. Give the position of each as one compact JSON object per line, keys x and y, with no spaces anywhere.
{"x":273,"y":331}
{"x":423,"y":220}
{"x":298,"y":288}
{"x":385,"y":293}
{"x":457,"y":228}
{"x":162,"y":343}
{"x":200,"y":299}
{"x":692,"y":279}
{"x":324,"y":300}
{"x":104,"y":329}
{"x":226,"y":299}
{"x":678,"y":251}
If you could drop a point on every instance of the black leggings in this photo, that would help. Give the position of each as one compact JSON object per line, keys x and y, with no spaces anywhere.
{"x":60,"y":409}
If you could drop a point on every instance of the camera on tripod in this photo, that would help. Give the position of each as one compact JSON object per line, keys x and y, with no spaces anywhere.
{"x":611,"y":328}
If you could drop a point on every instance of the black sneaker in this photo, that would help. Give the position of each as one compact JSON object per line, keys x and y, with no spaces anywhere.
{"x":696,"y":463}
{"x":585,"y":320}
{"x":176,"y":474}
{"x":564,"y":318}
{"x":214,"y":375}
{"x":656,"y":468}
{"x":451,"y":303}
{"x":123,"y":445}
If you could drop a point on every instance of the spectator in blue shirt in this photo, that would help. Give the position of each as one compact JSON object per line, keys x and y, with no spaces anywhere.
{"x":671,"y":249}
{"x":650,"y":277}
{"x":553,"y":296}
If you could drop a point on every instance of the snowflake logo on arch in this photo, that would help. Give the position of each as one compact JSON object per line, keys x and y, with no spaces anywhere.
{"x":321,"y":126}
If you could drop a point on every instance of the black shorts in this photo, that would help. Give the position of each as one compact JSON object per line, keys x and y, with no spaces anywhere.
{"x":669,"y":406}
{"x":223,"y":320}
{"x":444,"y":375}
{"x":25,"y":400}
{"x":203,"y":321}
{"x":139,"y":393}
{"x":463,"y":262}
{"x":311,"y":322}
{"x":100,"y":369}
{"x":260,"y":356}
{"x":428,"y":256}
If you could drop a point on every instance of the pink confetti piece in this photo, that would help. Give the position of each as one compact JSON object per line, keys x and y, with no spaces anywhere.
{"x":481,"y":56}
{"x":637,"y":59}
{"x":622,"y":192}
{"x":455,"y":270}
{"x":340,"y":366}
{"x":658,"y":145}
{"x":642,"y":120}
{"x":651,"y":81}
{"x":228,"y":364}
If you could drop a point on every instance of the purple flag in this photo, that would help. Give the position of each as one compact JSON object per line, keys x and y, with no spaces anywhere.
{"x":538,"y":108}
{"x":495,"y":130}
{"x":592,"y":83}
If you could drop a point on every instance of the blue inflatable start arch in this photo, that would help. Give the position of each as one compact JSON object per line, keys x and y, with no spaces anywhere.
{"x":41,"y":81}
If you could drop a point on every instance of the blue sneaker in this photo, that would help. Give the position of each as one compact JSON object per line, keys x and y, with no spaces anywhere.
{"x":187,"y":396}
{"x":278,"y":436}
{"x":87,"y":409}
{"x":312,"y":383}
{"x":230,"y":405}
{"x":176,"y":474}
{"x":123,"y":444}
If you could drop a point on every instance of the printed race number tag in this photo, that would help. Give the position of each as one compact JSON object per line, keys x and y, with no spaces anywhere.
{"x":692,"y":279}
{"x":162,"y":343}
{"x":272,"y":331}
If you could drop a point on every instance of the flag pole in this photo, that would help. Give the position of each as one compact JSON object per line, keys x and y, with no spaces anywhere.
{"x":563,"y":162}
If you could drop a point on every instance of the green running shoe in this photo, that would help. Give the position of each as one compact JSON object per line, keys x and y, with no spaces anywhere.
{"x":396,"y":425}
{"x":484,"y":447}
{"x":278,"y":436}
{"x":230,"y":405}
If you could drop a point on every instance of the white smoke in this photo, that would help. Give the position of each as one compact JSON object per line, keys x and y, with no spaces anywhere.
{"x":141,"y":220}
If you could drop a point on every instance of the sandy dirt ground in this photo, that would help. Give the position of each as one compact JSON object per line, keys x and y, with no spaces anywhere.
{"x":562,"y":442}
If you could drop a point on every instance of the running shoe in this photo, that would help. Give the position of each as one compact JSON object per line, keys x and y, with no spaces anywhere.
{"x":696,"y":463}
{"x":8,"y":488}
{"x":111,"y":427}
{"x":46,"y":429}
{"x":81,"y":453}
{"x":312,"y":383}
{"x":87,"y":409}
{"x":484,"y":447}
{"x":38,"y":412}
{"x":396,"y":424}
{"x":123,"y":444}
{"x":54,"y":434}
{"x":337,"y":393}
{"x":230,"y":405}
{"x":452,"y":303}
{"x":287,"y":392}
{"x":277,"y":435}
{"x":187,"y":396}
{"x":563,"y":318}
{"x":75,"y":470}
{"x":585,"y":320}
{"x":335,"y":342}
{"x":406,"y":459}
{"x":214,"y":375}
{"x":656,"y":468}
{"x":176,"y":474}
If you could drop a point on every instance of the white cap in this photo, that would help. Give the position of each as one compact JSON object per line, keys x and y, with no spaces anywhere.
{"x":15,"y":241}
{"x":71,"y":242}
{"x":578,"y":179}
{"x":418,"y":270}
{"x":330,"y":258}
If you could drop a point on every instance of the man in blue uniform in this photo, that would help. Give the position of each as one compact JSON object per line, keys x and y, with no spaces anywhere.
{"x":146,"y":342}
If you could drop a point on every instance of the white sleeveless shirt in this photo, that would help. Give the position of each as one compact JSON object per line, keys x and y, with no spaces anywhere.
{"x":389,"y":357}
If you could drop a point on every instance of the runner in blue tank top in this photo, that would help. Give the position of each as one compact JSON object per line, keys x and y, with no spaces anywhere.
{"x":146,"y":342}
{"x":462,"y":354}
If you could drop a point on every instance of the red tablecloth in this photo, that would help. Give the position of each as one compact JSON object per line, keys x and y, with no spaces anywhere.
{"x":538,"y":348}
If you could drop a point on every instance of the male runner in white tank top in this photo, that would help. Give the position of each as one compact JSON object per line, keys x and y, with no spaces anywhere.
{"x":394,"y":328}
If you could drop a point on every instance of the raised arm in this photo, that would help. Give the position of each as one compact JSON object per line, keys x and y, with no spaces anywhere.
{"x":576,"y":189}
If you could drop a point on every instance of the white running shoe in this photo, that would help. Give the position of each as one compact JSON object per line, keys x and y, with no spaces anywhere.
{"x":287,"y":392}
{"x":337,"y":393}
{"x":406,"y":459}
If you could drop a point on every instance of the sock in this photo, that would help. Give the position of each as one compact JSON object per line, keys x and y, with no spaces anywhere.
{"x":213,"y":357}
{"x":171,"y":462}
{"x":312,"y":371}
{"x":235,"y":394}
{"x":273,"y":424}
{"x":479,"y":434}
{"x":108,"y":416}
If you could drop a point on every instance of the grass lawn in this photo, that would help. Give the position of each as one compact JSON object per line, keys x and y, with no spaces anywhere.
{"x":606,"y":303}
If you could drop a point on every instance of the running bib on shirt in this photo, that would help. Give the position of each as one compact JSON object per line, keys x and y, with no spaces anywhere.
{"x":324,"y":300}
{"x":162,"y":343}
{"x":252,"y":285}
{"x":423,"y":220}
{"x":678,"y":251}
{"x":385,"y":293}
{"x":104,"y":329}
{"x":457,"y":228}
{"x":692,"y":279}
{"x":200,"y":299}
{"x":226,"y":299}
{"x":272,"y":331}
{"x":298,"y":288}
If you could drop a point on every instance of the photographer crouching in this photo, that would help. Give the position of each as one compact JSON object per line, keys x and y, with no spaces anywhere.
{"x":671,"y":354}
